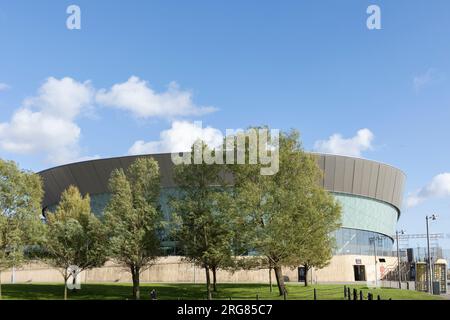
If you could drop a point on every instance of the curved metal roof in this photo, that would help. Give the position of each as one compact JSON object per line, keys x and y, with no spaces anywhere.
{"x":342,"y":174}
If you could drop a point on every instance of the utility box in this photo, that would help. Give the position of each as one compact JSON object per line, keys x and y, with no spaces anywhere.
{"x":436,"y":288}
{"x":440,"y":276}
{"x":421,"y":277}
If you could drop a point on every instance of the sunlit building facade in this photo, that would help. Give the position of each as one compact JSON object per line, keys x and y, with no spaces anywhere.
{"x":370,"y":194}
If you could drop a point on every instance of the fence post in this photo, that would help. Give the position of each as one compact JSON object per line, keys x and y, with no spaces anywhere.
{"x":315,"y":294}
{"x":348,"y":294}
{"x":355,"y":294}
{"x":361,"y":295}
{"x":345,"y":292}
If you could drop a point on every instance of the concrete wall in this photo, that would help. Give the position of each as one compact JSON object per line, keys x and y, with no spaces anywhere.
{"x":172,"y":269}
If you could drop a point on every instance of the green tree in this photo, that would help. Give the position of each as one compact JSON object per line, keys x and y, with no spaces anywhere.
{"x":75,"y":237}
{"x":134,"y":218}
{"x":317,"y":255}
{"x":323,"y":220}
{"x":20,"y":209}
{"x":203,"y":210}
{"x":279,"y":211}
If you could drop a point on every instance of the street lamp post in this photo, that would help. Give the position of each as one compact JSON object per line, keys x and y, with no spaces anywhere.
{"x":374,"y":239}
{"x":429,"y":266}
{"x":398,"y":259}
{"x":376,"y":271}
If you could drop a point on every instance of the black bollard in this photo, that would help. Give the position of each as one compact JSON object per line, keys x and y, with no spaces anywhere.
{"x":345,"y":292}
{"x":378,"y":297}
{"x":315,"y":294}
{"x":355,"y":294}
{"x":361,"y":296}
{"x":348,"y":294}
{"x":369,"y":296}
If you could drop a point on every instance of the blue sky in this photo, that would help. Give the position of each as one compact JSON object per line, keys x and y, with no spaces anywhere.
{"x":309,"y":65}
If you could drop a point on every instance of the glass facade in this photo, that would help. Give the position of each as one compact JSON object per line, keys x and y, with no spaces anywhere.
{"x":367,"y":214}
{"x":367,"y":225}
{"x":361,"y":242}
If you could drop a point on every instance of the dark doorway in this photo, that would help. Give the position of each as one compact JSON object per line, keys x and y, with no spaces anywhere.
{"x":360,"y":273}
{"x":301,"y":274}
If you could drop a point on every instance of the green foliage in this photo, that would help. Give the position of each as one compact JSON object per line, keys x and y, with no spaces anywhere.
{"x":205,"y":214}
{"x":286,"y":215}
{"x":74,"y":234}
{"x":20,"y":208}
{"x":133,"y":216}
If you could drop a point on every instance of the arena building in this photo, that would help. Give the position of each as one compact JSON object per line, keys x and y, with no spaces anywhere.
{"x":370,"y":194}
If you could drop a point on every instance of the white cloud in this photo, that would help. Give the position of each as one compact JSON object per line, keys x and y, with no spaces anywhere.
{"x":425,"y":79}
{"x":179,"y":138}
{"x":4,"y":86}
{"x":45,"y":124}
{"x":137,"y":97}
{"x":353,"y":146}
{"x":64,"y":98}
{"x":438,"y":187}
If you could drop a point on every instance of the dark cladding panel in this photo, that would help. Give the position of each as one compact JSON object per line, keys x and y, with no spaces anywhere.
{"x":321,"y":163}
{"x":348,"y":174}
{"x":104,"y":168}
{"x":330,"y":164}
{"x":52,"y":192}
{"x":166,"y":169}
{"x":389,"y":184}
{"x":366,"y":175}
{"x":125,"y":162}
{"x":339,"y":173}
{"x":357,"y":177}
{"x":63,"y":178}
{"x":86,"y":178}
{"x":373,"y":179}
{"x":381,"y":179}
{"x":398,"y":191}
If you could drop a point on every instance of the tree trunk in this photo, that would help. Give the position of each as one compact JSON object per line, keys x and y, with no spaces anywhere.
{"x":214,"y":272}
{"x":280,"y":280}
{"x":65,"y":287}
{"x":270,"y":279}
{"x":208,"y":283}
{"x":135,"y":274}
{"x":306,"y":275}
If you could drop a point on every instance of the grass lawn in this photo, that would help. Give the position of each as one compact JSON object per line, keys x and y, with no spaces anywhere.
{"x":115,"y":291}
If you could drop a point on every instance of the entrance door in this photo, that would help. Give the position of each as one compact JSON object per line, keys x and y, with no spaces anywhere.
{"x":301,"y":274}
{"x":360,"y":273}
